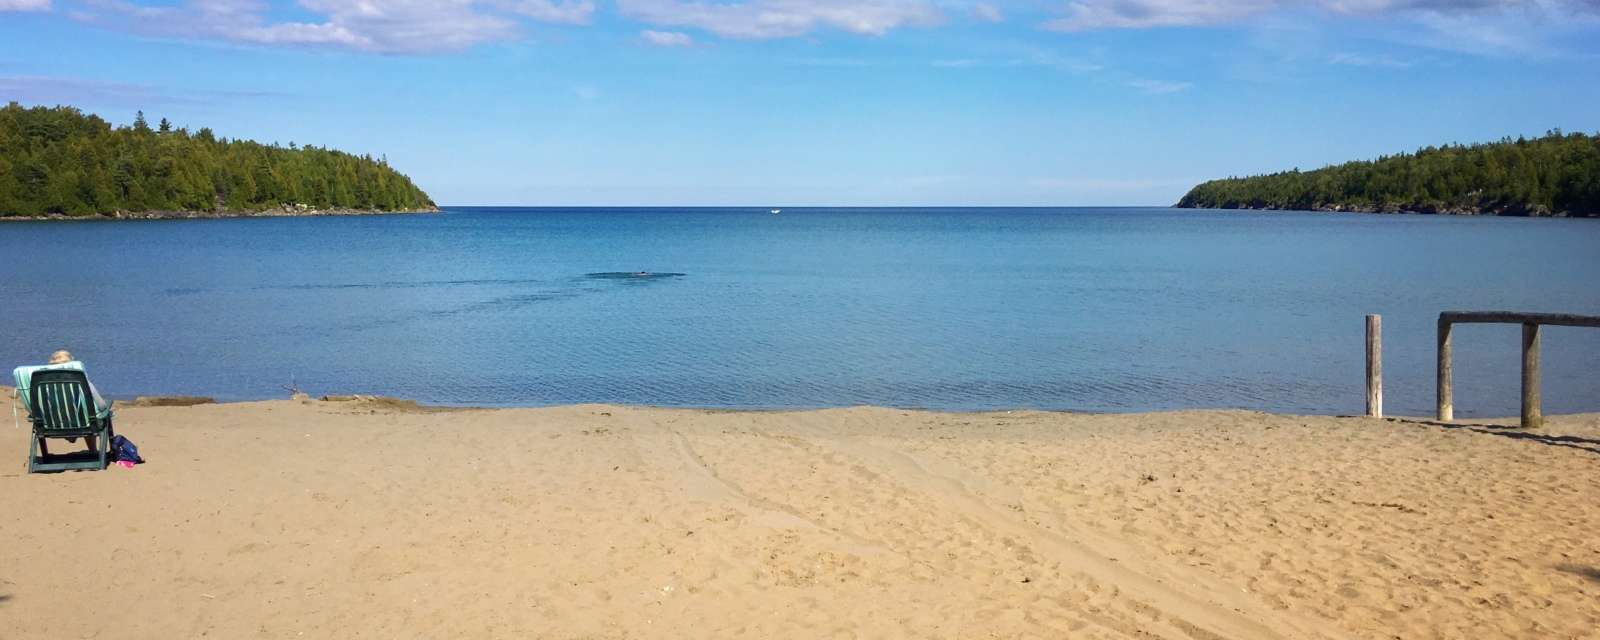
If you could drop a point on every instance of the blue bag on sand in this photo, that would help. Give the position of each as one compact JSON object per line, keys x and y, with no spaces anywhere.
{"x":123,"y":449}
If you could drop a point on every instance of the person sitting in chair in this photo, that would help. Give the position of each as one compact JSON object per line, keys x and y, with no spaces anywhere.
{"x":63,"y":360}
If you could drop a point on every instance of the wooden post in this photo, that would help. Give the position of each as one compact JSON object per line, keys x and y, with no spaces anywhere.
{"x":1446,"y":401}
{"x":1374,"y":366}
{"x":1532,"y":415}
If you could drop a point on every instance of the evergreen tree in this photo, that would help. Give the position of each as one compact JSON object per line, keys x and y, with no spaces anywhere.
{"x":62,"y":161}
{"x":1558,"y":174}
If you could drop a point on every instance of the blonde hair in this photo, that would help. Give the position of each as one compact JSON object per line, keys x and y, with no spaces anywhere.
{"x":61,"y":357}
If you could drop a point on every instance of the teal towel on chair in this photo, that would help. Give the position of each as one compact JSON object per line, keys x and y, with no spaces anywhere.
{"x":24,"y":377}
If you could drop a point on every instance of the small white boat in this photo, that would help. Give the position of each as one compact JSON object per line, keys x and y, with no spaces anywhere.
{"x":777,"y":211}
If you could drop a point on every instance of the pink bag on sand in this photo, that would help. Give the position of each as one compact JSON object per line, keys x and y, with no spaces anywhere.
{"x":126,"y":464}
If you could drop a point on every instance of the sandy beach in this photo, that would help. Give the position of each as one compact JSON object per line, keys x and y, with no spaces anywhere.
{"x":370,"y":519}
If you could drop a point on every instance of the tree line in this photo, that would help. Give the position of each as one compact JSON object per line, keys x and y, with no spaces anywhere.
{"x":59,"y":160}
{"x":1557,"y":174}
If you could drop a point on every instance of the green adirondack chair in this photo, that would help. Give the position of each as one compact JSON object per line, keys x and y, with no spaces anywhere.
{"x":61,"y":405}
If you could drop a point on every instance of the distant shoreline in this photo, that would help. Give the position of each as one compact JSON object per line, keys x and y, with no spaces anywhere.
{"x":277,"y":212}
{"x":1553,"y":176}
{"x":1535,"y":212}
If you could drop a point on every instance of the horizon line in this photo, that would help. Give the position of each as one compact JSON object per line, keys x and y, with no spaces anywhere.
{"x":806,"y":206}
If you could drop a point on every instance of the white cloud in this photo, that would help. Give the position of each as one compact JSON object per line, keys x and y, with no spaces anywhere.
{"x":763,"y":19}
{"x":987,"y":12}
{"x":1082,"y":15}
{"x":564,"y":11}
{"x":1158,"y":87}
{"x":24,"y":5}
{"x":1132,"y":14}
{"x":381,"y":26}
{"x":1503,"y":33}
{"x":667,"y":38}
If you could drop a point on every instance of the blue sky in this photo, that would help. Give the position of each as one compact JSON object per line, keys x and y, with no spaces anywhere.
{"x":784,"y":102}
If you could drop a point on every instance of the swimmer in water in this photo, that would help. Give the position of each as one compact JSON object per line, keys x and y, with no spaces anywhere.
{"x":642,"y":273}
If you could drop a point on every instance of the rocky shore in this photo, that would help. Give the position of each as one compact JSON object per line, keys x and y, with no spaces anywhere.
{"x":285,"y":211}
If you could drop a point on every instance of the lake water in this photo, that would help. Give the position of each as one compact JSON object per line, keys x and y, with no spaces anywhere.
{"x":1077,"y":308}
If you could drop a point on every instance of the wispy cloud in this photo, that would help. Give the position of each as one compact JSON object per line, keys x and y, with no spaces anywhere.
{"x":1108,"y":184}
{"x":1369,"y":60}
{"x":987,"y":12}
{"x":1084,"y":15}
{"x":1046,"y":58}
{"x":48,"y":90}
{"x":1158,"y":87}
{"x":1534,"y":32}
{"x":51,"y":90}
{"x":426,"y":26}
{"x":564,"y":11}
{"x":667,"y":38}
{"x":395,"y":26}
{"x":1479,"y":27}
{"x":766,"y":19}
{"x":1088,"y":68}
{"x":837,"y":62}
{"x":1134,"y":14}
{"x":24,"y":5}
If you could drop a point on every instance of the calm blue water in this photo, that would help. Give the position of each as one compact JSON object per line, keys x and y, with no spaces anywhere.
{"x":1090,"y":309}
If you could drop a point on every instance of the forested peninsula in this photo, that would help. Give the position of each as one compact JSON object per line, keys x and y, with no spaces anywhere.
{"x":59,"y":161}
{"x":1555,"y":175}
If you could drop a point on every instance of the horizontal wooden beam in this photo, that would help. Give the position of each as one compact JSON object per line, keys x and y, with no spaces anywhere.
{"x":1516,"y":317}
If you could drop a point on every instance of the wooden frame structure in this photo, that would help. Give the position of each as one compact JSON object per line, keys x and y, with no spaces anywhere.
{"x":1532,"y":414}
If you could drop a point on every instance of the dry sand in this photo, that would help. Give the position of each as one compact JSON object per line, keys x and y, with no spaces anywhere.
{"x":374,"y":520}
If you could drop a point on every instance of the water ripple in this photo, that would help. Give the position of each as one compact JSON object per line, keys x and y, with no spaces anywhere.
{"x":1092,"y":309}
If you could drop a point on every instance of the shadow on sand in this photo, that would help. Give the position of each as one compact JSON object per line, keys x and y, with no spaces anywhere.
{"x":1590,"y":445}
{"x":72,"y":456}
{"x":1592,"y":573}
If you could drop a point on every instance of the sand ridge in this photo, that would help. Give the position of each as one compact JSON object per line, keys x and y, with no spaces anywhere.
{"x":367,"y":519}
